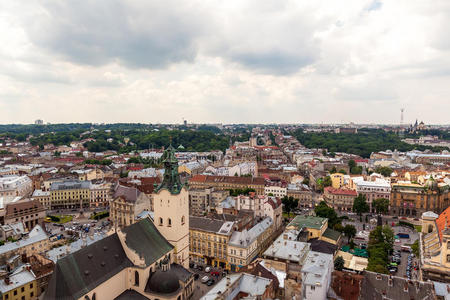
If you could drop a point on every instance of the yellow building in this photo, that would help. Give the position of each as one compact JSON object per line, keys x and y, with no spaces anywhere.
{"x":21,"y":284}
{"x":316,"y":227}
{"x":70,"y":194}
{"x":209,"y":240}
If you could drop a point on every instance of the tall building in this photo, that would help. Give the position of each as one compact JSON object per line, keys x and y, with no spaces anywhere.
{"x":171,"y":208}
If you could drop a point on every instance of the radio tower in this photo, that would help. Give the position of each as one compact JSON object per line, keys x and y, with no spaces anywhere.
{"x":401,"y":116}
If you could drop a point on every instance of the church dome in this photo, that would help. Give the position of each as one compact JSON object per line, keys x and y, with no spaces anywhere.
{"x":163,"y":282}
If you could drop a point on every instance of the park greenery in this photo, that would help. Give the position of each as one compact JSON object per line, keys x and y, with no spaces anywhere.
{"x":381,"y":205}
{"x":324,"y":211}
{"x":339,"y":263}
{"x":237,"y":192}
{"x":381,"y":241}
{"x":354,"y":169}
{"x":322,"y":183}
{"x":362,"y":143}
{"x":385,"y":171}
{"x":99,"y":215}
{"x":349,"y":231}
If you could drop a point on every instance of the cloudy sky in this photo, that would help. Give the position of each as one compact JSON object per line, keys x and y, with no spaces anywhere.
{"x":224,"y":61}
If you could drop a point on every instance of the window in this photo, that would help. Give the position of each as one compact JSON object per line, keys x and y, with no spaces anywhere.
{"x":15,"y":293}
{"x":169,"y":222}
{"x":160,"y":221}
{"x":136,"y":278}
{"x":22,"y":289}
{"x":31,"y":294}
{"x":31,"y":285}
{"x":23,"y":298}
{"x":182,"y":220}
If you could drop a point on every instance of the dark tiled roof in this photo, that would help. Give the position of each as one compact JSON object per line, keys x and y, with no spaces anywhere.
{"x":146,"y":240}
{"x":377,"y":286}
{"x":83,"y":270}
{"x":331,"y":234}
{"x":205,"y":224}
{"x":130,"y":295}
{"x":322,"y":246}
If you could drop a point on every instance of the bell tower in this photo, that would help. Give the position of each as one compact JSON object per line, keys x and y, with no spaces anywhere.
{"x":171,"y":208}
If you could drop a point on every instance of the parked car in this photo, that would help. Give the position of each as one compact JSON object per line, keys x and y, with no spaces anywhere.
{"x":210,"y":282}
{"x":208,"y":269}
{"x":196,"y":276}
{"x":205,"y":279}
{"x":215,"y":273}
{"x":200,"y":268}
{"x":191,"y":264}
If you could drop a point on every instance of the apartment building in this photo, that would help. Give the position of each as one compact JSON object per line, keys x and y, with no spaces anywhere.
{"x":275,"y":190}
{"x":100,"y":195}
{"x":30,"y":212}
{"x":70,"y":194}
{"x":339,"y":199}
{"x":202,"y":201}
{"x":209,"y":240}
{"x":227,"y":183}
{"x":373,"y":188}
{"x":12,"y":186}
{"x":127,"y":204}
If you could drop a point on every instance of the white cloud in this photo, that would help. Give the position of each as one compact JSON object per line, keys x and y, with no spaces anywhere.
{"x":224,"y":61}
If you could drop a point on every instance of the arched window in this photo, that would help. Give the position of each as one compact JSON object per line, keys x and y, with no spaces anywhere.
{"x":86,"y":297}
{"x":136,"y":278}
{"x":160,"y":221}
{"x":93,"y":297}
{"x":182,"y":220}
{"x":169,"y":222}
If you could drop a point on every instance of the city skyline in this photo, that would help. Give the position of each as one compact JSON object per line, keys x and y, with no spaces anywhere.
{"x":233,"y":62}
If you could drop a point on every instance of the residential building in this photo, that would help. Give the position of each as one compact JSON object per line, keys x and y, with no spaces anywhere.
{"x":13,"y":186}
{"x":373,"y":188}
{"x":35,"y":242}
{"x":410,"y":199}
{"x":242,"y":286}
{"x":127,"y":204}
{"x":275,"y":190}
{"x":303,"y":194}
{"x":381,"y":286}
{"x":339,"y":180}
{"x":43,"y":197}
{"x":273,"y":209}
{"x":227,"y":183}
{"x":30,"y":212}
{"x":315,"y":227}
{"x":136,"y":262}
{"x":339,"y":199}
{"x":202,"y":201}
{"x":69,"y":194}
{"x":316,"y":275}
{"x":209,"y":240}
{"x":13,"y":230}
{"x":251,"y":202}
{"x":20,"y":284}
{"x":171,"y":208}
{"x":100,"y":195}
{"x":435,"y":246}
{"x":245,"y":245}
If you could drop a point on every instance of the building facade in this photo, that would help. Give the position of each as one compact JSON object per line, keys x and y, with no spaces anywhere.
{"x":228,"y":182}
{"x":339,"y":199}
{"x":31,"y":213}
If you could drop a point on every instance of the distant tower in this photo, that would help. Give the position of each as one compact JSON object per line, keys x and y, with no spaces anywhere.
{"x":401,"y":116}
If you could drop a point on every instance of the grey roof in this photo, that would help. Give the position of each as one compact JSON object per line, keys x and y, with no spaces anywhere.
{"x":322,"y":246}
{"x":70,"y":184}
{"x":287,"y":249}
{"x":245,"y":237}
{"x":36,"y":235}
{"x":331,"y":234}
{"x":315,"y":268}
{"x":375,"y":285}
{"x":210,"y":225}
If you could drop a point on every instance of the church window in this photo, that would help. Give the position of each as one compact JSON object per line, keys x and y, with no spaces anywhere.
{"x":160,"y":221}
{"x":182,"y":220}
{"x":136,"y":278}
{"x":169,"y":222}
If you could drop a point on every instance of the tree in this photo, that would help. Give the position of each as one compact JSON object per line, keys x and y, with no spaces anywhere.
{"x":327,"y":181}
{"x":289,"y":204}
{"x":349,"y":231}
{"x":351,"y":164}
{"x":342,"y":171}
{"x":333,"y":170}
{"x":415,"y":248}
{"x":385,"y":171}
{"x":324,"y":211}
{"x":339,"y":263}
{"x":360,"y":205}
{"x":338,"y":227}
{"x":381,"y":205}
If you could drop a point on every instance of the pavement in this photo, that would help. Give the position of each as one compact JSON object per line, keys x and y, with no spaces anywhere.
{"x":200,"y":289}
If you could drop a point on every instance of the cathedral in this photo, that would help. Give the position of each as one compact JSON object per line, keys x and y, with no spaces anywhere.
{"x":146,"y":260}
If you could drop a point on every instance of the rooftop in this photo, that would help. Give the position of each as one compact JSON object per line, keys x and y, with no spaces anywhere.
{"x":301,"y":221}
{"x":287,"y":249}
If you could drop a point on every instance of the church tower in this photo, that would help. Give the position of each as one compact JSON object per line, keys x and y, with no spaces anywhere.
{"x":171,"y":208}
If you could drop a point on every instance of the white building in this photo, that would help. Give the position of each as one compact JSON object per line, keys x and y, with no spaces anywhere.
{"x":14,"y":186}
{"x":316,"y":275}
{"x":375,"y":187}
{"x":277,"y":191}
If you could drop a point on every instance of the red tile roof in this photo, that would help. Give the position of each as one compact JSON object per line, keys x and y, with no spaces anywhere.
{"x":344,"y":192}
{"x":443,"y":220}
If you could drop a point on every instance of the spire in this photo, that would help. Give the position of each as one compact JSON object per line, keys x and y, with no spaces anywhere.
{"x":171,"y":180}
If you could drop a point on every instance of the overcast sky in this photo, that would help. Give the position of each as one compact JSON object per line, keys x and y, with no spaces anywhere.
{"x":224,"y":61}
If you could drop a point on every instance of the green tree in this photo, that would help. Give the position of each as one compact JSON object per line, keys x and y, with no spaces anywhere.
{"x":381,"y":205}
{"x":338,"y":227}
{"x":351,"y":164}
{"x":385,"y":171}
{"x":360,"y":205}
{"x":327,"y":181}
{"x":339,"y":263}
{"x":349,"y":231}
{"x":324,"y":211}
{"x":415,"y":248}
{"x":333,"y":170}
{"x":342,"y":171}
